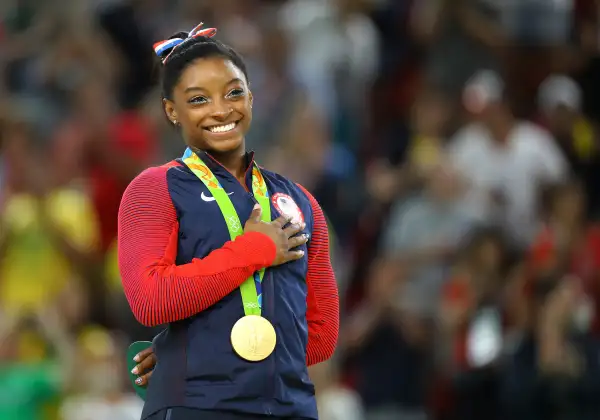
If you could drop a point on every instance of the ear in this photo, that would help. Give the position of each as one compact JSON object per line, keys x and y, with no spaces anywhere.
{"x":170,"y":111}
{"x":250,"y":98}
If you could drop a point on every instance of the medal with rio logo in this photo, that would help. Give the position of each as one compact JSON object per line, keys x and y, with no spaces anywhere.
{"x":253,"y":337}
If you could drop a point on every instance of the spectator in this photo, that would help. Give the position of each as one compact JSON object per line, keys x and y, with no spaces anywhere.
{"x":100,"y":395}
{"x":36,"y":354}
{"x":553,"y":373}
{"x":560,"y":102}
{"x":472,"y":325}
{"x":362,"y":99}
{"x":55,"y":220}
{"x":388,"y":354}
{"x":505,"y":161}
{"x":568,"y":245}
{"x":422,"y":236}
{"x":334,"y":401}
{"x":469,"y":29}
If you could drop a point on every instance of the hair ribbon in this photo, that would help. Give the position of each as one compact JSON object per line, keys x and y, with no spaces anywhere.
{"x":161,"y":46}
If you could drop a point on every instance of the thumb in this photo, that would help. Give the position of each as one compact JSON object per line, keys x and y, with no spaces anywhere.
{"x":256,"y":213}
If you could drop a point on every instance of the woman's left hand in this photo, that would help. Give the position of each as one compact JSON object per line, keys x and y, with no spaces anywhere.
{"x":146,"y":360}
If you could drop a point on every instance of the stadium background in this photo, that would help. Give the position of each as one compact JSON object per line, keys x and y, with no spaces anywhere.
{"x":453,"y":145}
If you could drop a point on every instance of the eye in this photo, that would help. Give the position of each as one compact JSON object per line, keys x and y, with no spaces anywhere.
{"x":236,"y":93}
{"x":198,"y":100}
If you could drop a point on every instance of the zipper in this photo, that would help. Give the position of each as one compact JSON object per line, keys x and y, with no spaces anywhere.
{"x":270,"y":385}
{"x":271,"y":361}
{"x":251,"y":195}
{"x":229,"y":172}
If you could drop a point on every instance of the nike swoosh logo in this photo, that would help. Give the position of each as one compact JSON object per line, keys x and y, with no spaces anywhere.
{"x":207,"y":199}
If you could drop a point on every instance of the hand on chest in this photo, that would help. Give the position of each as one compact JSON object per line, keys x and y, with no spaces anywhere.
{"x":204,"y":225}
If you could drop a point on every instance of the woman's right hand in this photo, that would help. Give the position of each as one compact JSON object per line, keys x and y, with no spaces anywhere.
{"x":284,"y":237}
{"x":146,"y":361}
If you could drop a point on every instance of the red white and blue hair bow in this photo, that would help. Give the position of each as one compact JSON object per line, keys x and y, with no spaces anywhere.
{"x":162,"y":46}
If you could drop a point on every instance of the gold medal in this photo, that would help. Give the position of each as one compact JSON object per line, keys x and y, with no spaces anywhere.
{"x":253,"y":338}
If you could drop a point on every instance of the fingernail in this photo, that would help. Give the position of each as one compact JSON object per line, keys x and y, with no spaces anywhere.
{"x":138,"y":381}
{"x":256,"y":207}
{"x":136,"y":358}
{"x":303,"y":225}
{"x":306,"y":236}
{"x":301,"y":252}
{"x":134,"y":370}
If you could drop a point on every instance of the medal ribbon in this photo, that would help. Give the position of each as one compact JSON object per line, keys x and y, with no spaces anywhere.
{"x":251,"y":288}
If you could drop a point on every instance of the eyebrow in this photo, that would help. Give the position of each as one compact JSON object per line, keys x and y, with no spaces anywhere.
{"x":196,"y":88}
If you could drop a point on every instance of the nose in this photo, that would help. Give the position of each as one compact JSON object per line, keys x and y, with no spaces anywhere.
{"x":221,"y":110}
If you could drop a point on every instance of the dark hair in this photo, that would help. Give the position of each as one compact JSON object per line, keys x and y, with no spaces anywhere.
{"x":480,"y":235}
{"x":189,"y":50}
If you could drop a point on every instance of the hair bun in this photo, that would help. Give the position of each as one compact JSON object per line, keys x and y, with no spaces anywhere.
{"x":182,"y":35}
{"x":164,"y":48}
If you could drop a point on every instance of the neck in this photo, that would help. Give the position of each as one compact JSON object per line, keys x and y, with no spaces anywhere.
{"x":233,"y":161}
{"x":502,"y":128}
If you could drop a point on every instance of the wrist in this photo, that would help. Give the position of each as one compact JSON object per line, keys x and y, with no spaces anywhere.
{"x":260,"y":248}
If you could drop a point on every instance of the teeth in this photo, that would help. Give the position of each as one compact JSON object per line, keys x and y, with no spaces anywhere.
{"x":222,"y":128}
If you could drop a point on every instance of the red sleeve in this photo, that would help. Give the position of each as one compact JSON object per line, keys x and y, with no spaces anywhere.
{"x":159,"y":291}
{"x":323,"y":306}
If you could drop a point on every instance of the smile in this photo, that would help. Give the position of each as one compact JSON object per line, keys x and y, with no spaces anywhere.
{"x":222,"y":128}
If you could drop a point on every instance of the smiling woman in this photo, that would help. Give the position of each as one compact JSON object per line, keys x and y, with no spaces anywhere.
{"x":212,"y":106}
{"x":233,"y":257}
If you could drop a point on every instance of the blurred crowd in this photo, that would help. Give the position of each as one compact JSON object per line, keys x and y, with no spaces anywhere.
{"x":453,"y":145}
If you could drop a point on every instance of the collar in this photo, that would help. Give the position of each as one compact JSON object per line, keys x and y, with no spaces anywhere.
{"x":218,"y":169}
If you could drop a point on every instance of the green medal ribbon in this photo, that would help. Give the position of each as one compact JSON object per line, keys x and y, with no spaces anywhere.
{"x":251,"y":288}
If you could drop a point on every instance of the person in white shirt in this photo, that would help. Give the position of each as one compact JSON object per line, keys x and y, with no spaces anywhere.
{"x":334,"y":400}
{"x":505,"y":161}
{"x":99,"y":394}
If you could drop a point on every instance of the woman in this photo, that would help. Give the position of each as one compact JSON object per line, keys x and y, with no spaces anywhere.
{"x":247,"y":309}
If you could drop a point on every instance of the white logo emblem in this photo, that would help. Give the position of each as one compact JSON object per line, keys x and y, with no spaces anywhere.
{"x":207,"y":198}
{"x":286,"y":205}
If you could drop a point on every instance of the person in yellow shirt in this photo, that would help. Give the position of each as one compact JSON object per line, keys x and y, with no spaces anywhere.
{"x":48,"y":234}
{"x":560,"y":101}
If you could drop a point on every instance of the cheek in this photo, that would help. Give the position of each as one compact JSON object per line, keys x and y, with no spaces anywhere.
{"x":246,"y":110}
{"x":191,"y":117}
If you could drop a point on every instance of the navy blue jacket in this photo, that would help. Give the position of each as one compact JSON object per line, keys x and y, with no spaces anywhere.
{"x":197,"y":366}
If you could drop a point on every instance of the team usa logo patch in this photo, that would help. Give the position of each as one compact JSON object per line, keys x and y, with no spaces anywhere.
{"x":287,"y":206}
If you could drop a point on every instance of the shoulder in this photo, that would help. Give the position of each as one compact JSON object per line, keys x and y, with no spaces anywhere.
{"x":469,"y":134}
{"x":155,"y":175}
{"x":533,"y":134}
{"x":151,"y":184}
{"x":531,"y":128}
{"x":468,"y":140}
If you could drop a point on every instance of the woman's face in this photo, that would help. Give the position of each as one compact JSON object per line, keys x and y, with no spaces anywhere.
{"x":212,"y":104}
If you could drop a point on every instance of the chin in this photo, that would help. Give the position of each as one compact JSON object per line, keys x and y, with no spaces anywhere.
{"x":224,"y":145}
